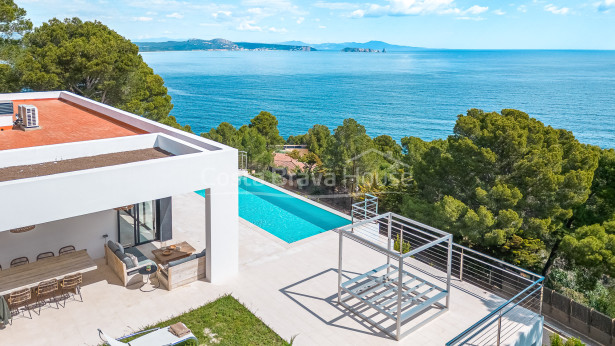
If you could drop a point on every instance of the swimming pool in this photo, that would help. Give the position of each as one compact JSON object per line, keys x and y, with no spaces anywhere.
{"x":283,"y":215}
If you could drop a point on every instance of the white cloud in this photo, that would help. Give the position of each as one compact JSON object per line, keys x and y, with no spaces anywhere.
{"x":556,"y":10}
{"x":522,"y":8}
{"x":150,"y":13}
{"x":415,"y":7}
{"x":470,"y":18}
{"x":221,"y":14}
{"x":499,"y":12}
{"x":248,"y":25}
{"x":606,"y":5}
{"x":322,"y":27}
{"x":276,"y":30}
{"x":300,"y":20}
{"x":175,"y":15}
{"x":142,"y":19}
{"x":476,"y":10}
{"x":336,"y":5}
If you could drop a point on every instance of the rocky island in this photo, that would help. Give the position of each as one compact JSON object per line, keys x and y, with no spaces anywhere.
{"x":360,"y":50}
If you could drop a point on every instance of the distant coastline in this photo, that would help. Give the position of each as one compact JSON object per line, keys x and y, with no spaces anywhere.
{"x":220,"y":44}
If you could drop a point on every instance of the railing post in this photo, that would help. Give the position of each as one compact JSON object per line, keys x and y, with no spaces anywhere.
{"x":542,"y":287}
{"x":400,"y":284}
{"x":461,"y":266}
{"x":389,"y":241}
{"x":339,"y":270}
{"x":449,"y":265}
{"x":499,"y":327}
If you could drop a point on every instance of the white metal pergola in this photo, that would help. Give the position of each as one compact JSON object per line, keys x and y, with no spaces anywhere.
{"x":390,"y":296}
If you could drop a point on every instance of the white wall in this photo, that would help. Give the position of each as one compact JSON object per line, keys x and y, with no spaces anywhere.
{"x":84,"y":232}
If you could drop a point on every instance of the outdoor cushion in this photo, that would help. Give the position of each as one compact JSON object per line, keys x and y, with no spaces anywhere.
{"x":134,"y":259}
{"x":113,"y":246}
{"x":138,"y":254}
{"x":201,"y":254}
{"x":180,"y":261}
{"x":127,"y":261}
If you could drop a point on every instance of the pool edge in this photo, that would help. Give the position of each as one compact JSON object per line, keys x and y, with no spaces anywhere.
{"x":295,"y":195}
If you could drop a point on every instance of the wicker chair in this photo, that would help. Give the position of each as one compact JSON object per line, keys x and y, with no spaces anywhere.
{"x":66,"y":249}
{"x":18,"y":299}
{"x":71,"y":284}
{"x":46,"y":290}
{"x":19,"y":261}
{"x":44,"y":255}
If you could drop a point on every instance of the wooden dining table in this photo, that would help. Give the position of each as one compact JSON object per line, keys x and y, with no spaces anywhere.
{"x":31,"y":274}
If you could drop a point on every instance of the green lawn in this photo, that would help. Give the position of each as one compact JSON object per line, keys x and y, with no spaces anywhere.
{"x":226,"y":322}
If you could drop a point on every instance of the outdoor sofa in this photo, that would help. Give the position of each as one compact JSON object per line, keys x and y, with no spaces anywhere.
{"x":122,"y":265}
{"x":183,"y":271}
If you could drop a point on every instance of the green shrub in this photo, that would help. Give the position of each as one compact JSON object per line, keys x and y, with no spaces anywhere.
{"x":405,"y":246}
{"x":557,"y":340}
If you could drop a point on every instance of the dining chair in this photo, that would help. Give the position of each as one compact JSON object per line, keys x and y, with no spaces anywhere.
{"x":44,"y":255}
{"x":71,"y":283}
{"x":46,"y":290}
{"x":66,"y":249}
{"x":18,"y":299}
{"x":19,"y":261}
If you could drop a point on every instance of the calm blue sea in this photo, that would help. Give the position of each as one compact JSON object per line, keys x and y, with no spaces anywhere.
{"x":400,"y":94}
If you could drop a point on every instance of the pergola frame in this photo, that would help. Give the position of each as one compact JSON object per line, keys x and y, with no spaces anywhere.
{"x":390,"y":289}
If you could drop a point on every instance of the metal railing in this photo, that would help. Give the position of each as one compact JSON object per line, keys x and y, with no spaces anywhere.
{"x":243,"y":160}
{"x":365,"y":209}
{"x":520,"y":289}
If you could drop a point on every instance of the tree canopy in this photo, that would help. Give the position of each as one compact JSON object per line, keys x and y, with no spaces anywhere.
{"x":13,"y":21}
{"x":267,"y":125}
{"x":91,"y":60}
{"x":13,"y":25}
{"x":505,"y":183}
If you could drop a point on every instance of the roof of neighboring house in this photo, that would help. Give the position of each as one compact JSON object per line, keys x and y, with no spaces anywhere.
{"x":283,"y":160}
{"x":64,"y":122}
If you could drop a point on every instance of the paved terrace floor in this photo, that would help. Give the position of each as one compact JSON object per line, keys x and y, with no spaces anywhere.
{"x":293,"y":288}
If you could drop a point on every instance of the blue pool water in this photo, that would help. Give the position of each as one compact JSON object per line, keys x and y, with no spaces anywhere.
{"x":281,"y":214}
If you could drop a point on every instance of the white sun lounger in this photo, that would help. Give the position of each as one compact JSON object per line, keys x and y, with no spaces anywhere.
{"x":154,"y":337}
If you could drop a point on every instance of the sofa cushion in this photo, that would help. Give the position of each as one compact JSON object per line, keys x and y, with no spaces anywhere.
{"x":138,"y":254}
{"x":202,"y":253}
{"x":127,"y":261}
{"x":180,"y":261}
{"x":133,"y":258}
{"x":115,"y":247}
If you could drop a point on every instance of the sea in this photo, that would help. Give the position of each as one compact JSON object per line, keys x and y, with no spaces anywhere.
{"x":418,"y":93}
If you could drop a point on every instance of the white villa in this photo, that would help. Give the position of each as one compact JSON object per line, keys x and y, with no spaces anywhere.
{"x":90,"y":191}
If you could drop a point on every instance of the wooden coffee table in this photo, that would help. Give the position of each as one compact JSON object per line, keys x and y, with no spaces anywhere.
{"x":184,"y":250}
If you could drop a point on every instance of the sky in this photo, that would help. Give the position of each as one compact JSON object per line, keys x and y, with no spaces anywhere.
{"x":455,"y":24}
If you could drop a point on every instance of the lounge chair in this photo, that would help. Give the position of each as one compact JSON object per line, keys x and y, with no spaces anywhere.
{"x":154,"y":337}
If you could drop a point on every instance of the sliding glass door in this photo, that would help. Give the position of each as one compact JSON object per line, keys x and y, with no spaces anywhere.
{"x":137,"y":225}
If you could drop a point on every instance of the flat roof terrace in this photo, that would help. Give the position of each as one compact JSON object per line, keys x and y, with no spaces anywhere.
{"x":64,"y":122}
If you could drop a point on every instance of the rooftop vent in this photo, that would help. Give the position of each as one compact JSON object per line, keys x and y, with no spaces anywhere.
{"x":27,"y":117}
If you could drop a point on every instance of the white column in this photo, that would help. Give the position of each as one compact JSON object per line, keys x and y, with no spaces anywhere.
{"x":222,"y":218}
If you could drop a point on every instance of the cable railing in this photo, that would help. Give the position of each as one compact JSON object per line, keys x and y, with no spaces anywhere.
{"x":519,"y":289}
